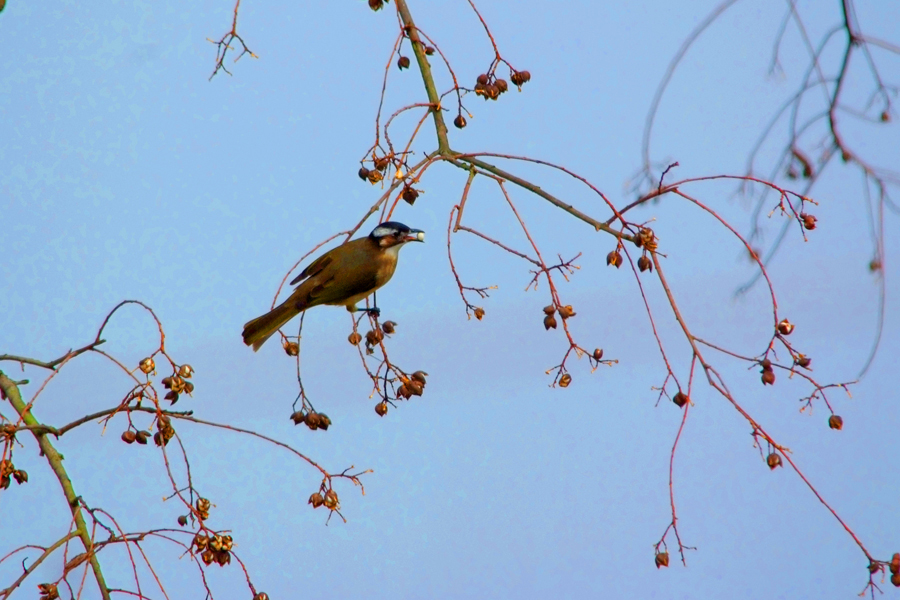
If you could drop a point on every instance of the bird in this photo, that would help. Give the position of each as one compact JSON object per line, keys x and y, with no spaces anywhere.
{"x":341,"y":277}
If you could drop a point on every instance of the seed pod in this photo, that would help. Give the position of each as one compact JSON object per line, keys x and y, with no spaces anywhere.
{"x":785,"y":327}
{"x":766,"y":364}
{"x":803,"y":361}
{"x":215,"y":543}
{"x":207,"y":557}
{"x":502,"y":86}
{"x":381,"y":408}
{"x":419,"y":376}
{"x":614,"y":259}
{"x":662,"y":559}
{"x":491,"y":92}
{"x":331,"y":499}
{"x":482,"y":79}
{"x":316,"y":500}
{"x":203,"y":505}
{"x":874,"y":567}
{"x":298,"y":417}
{"x":5,"y":482}
{"x":363,"y":173}
{"x":809,"y":222}
{"x":549,"y":309}
{"x":549,"y":322}
{"x":768,"y":377}
{"x":403,"y":62}
{"x":835,"y":422}
{"x":565,"y":380}
{"x":479,"y":313}
{"x":200,"y":541}
{"x":188,"y":388}
{"x":415,"y":388}
{"x":886,"y":118}
{"x":147,"y":365}
{"x":171,"y":397}
{"x":182,"y":520}
{"x":429,"y":50}
{"x":372,"y":337}
{"x":410,"y":195}
{"x":21,"y":476}
{"x":381,"y":163}
{"x":167,"y":382}
{"x":324,"y":422}
{"x":403,"y":392}
{"x":186,"y":371}
{"x":566,"y":311}
{"x":141,"y":437}
{"x":375,"y":5}
{"x":644,"y":264}
{"x":354,"y":338}
{"x":312,"y":420}
{"x":389,"y":327}
{"x":223,"y":558}
{"x":773,"y":460}
{"x":895,"y":563}
{"x":895,"y":579}
{"x":128,"y":436}
{"x":680,"y":399}
{"x":374,"y":177}
{"x":598,"y":354}
{"x":177,"y":384}
{"x":459,"y":121}
{"x":479,"y":89}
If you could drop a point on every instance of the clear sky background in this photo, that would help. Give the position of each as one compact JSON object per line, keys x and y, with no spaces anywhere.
{"x":127,"y":174}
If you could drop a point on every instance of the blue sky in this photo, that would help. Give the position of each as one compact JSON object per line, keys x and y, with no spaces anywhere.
{"x":127,"y":174}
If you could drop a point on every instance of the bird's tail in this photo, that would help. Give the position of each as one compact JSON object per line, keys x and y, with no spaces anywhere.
{"x":257,"y":331}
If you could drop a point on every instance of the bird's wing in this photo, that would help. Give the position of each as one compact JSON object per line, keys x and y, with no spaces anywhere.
{"x":337,"y":289}
{"x":314,"y":268}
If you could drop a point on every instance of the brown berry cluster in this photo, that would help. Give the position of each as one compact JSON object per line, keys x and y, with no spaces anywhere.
{"x":164,"y":431}
{"x":373,"y":176}
{"x":178,"y":383}
{"x":48,"y":591}
{"x":647,"y":240}
{"x":8,"y":472}
{"x":214,"y":548}
{"x":312,"y":419}
{"x":768,"y":375}
{"x":141,"y":437}
{"x":329,"y":500}
{"x":809,"y":221}
{"x":202,"y":505}
{"x":414,"y":385}
{"x":489,"y":86}
{"x":520,"y":78}
{"x":894,"y":566}
{"x":565,"y":312}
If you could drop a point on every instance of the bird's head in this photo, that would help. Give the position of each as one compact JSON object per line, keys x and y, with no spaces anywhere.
{"x":391,"y":233}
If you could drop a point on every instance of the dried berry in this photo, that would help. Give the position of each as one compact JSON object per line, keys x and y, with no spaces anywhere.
{"x":549,"y":322}
{"x":404,"y":392}
{"x":410,"y":195}
{"x":895,"y":563}
{"x":172,"y":397}
{"x":381,"y":408}
{"x":479,"y":313}
{"x":768,"y":377}
{"x":809,"y":221}
{"x":549,"y":309}
{"x":874,"y":567}
{"x":147,"y":366}
{"x":316,"y":500}
{"x":186,"y":371}
{"x":519,"y":78}
{"x":182,"y":520}
{"x":566,"y":312}
{"x":374,"y":5}
{"x":645,"y":264}
{"x":200,"y":541}
{"x":291,"y":348}
{"x":895,"y":579}
{"x":21,"y":476}
{"x":459,"y":121}
{"x":614,"y":259}
{"x":680,"y":399}
{"x":598,"y":354}
{"x":429,"y":50}
{"x":128,"y":436}
{"x":502,"y":86}
{"x":208,"y":556}
{"x":785,"y":327}
{"x":491,"y":92}
{"x":662,"y":559}
{"x":354,"y":338}
{"x":312,"y":420}
{"x":363,"y":173}
{"x":389,"y":327}
{"x":403,"y":62}
{"x":565,"y":380}
{"x":419,"y":376}
{"x":835,"y":422}
{"x":298,"y":417}
{"x":331,"y":500}
{"x":482,"y":79}
{"x":773,"y":460}
{"x":374,"y":337}
{"x":766,"y":364}
{"x":803,"y":361}
{"x":324,"y":422}
{"x":141,"y":437}
{"x":374,"y":177}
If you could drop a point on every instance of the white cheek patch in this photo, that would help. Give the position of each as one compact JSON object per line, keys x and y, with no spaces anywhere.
{"x":381,"y":232}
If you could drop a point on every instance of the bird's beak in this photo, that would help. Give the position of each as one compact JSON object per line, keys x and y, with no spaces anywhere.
{"x":415,"y":235}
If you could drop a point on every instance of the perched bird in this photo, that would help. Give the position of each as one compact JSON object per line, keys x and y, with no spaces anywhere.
{"x":342,"y":276}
